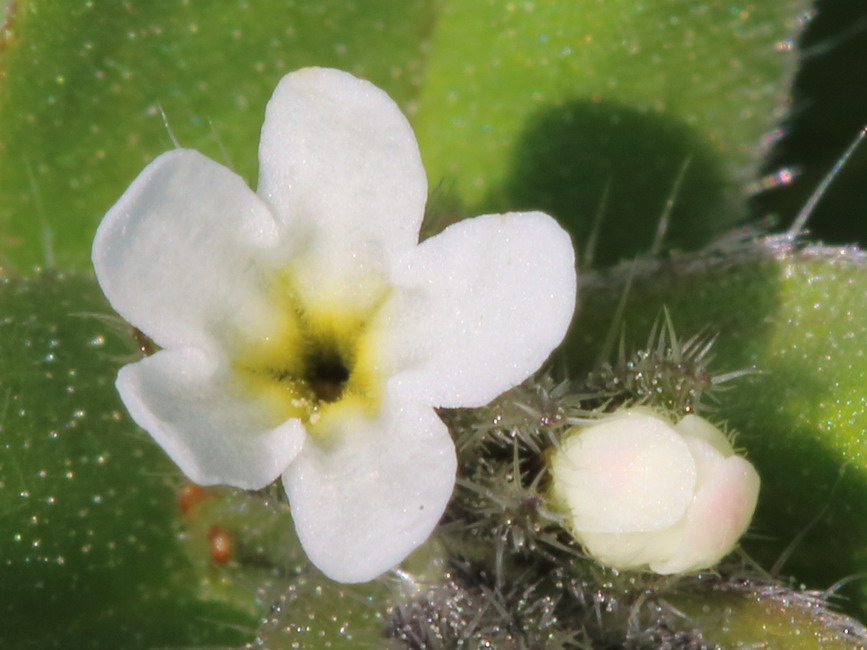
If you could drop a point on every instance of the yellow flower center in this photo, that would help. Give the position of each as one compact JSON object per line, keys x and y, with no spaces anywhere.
{"x":319,"y":365}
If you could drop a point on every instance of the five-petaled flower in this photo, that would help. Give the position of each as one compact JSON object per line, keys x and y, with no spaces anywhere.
{"x":305,"y":332}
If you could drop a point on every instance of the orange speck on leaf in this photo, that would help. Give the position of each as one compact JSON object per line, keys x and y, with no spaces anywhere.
{"x":221,"y":545}
{"x":189,"y":496}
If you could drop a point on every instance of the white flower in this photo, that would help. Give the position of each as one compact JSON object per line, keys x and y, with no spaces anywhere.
{"x":641,"y":492}
{"x":306,"y":333}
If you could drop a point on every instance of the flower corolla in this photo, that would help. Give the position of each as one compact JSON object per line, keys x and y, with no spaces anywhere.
{"x":304,"y":332}
{"x":640,"y":492}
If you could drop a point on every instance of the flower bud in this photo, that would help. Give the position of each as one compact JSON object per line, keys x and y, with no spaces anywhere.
{"x":640,"y":492}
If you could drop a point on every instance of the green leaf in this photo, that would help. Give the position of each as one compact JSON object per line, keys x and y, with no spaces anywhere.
{"x":90,"y":550}
{"x":540,"y":105}
{"x":242,"y":544}
{"x":798,"y":319}
{"x":523,"y":105}
{"x":315,"y":612}
{"x":746,"y":615}
{"x":84,"y":86}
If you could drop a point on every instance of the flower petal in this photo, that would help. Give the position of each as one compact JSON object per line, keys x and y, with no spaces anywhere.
{"x":178,"y":397}
{"x":364,"y":503}
{"x":340,"y":166}
{"x":630,"y":473}
{"x":625,"y":550}
{"x":481,"y":306}
{"x":707,"y":459}
{"x":719,"y":515}
{"x":174,"y":254}
{"x":695,"y":426}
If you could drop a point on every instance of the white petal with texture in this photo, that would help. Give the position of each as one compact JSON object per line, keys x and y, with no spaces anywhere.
{"x":719,"y":515}
{"x":631,"y":473}
{"x":179,"y":397}
{"x":627,"y":550}
{"x":175,"y":255}
{"x":339,"y":164}
{"x":364,"y":503}
{"x":480,"y":307}
{"x":694,"y":426}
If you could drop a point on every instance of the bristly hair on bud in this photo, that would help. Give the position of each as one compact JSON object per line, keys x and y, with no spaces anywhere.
{"x":581,"y":605}
{"x":668,"y":373}
{"x":498,"y":513}
{"x":527,"y":415}
{"x":503,"y":506}
{"x":464,"y":610}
